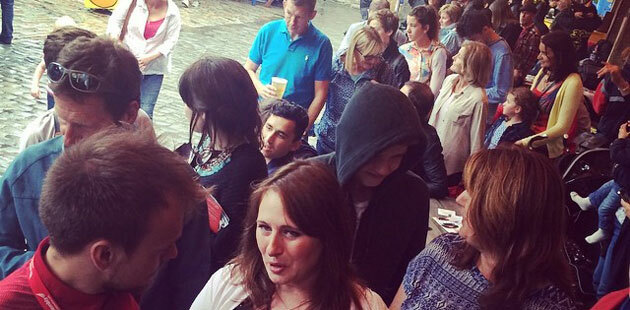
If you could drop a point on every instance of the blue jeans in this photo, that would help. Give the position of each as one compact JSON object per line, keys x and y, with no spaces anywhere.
{"x":149,"y":91}
{"x":608,"y":201}
{"x":322,"y":148}
{"x":7,"y":21}
{"x":601,"y":276}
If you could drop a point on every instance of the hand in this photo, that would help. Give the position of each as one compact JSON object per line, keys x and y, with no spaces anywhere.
{"x":268,"y":91}
{"x":523,"y":142}
{"x":35,"y":91}
{"x":578,"y":14}
{"x":615,"y":75}
{"x":144,"y":61}
{"x":626,"y":207}
{"x":623,"y":131}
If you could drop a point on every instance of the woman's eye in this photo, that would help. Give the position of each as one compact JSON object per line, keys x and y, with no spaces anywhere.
{"x":292,"y":234}
{"x":264,"y":227}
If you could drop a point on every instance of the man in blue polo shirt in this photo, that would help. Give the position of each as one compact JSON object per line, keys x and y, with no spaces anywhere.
{"x":293,"y":49}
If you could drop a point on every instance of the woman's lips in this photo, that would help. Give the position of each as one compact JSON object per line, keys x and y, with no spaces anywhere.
{"x":276,"y":268}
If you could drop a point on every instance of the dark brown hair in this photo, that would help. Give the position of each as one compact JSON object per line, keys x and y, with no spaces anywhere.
{"x":422,"y":97}
{"x":314,"y":201}
{"x":109,"y":61}
{"x":517,"y":214}
{"x":427,"y":16}
{"x":387,"y":19}
{"x":109,"y":185}
{"x":565,"y":60}
{"x":524,"y":98}
{"x":287,"y":110}
{"x":57,"y":39}
{"x":222,"y":89}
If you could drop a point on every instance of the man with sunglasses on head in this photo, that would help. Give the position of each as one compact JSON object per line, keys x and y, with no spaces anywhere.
{"x":96,"y":84}
{"x":46,"y":126}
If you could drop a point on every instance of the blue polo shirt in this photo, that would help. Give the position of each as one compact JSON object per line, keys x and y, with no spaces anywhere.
{"x":301,"y":62}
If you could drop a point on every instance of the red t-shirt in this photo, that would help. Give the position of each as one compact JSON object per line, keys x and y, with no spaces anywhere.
{"x":20,"y":291}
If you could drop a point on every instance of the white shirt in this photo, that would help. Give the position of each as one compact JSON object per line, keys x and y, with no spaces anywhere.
{"x":223,"y":292}
{"x":163,"y":41}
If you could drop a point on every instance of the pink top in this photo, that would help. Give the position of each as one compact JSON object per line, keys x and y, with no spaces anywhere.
{"x":151,"y":28}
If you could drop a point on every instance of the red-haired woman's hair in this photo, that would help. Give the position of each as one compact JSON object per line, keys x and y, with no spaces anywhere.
{"x":517,"y":215}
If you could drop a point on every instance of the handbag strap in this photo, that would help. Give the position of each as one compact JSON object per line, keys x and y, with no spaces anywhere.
{"x":123,"y":31}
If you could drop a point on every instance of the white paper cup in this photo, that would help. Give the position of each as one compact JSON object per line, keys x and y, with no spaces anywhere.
{"x":280,"y":84}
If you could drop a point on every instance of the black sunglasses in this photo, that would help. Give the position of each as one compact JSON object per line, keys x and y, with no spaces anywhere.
{"x":79,"y":80}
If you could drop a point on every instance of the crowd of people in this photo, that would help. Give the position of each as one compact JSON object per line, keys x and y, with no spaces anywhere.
{"x":95,"y":214}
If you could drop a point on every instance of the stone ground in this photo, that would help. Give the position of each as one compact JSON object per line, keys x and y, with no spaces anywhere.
{"x":217,"y":27}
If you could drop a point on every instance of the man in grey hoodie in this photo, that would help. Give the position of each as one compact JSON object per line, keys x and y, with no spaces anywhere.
{"x":379,"y":138}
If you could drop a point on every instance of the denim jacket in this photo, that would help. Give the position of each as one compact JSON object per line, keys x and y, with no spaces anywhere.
{"x":21,"y":229}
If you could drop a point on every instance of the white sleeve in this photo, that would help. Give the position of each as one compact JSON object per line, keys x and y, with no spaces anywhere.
{"x":371,"y":301}
{"x":438,"y":70}
{"x":220,"y":293}
{"x":116,"y":20}
{"x":172,"y":34}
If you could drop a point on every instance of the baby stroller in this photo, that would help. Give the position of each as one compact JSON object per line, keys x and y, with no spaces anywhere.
{"x":583,"y":172}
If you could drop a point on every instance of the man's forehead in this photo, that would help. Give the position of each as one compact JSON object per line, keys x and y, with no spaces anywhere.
{"x":280,"y":123}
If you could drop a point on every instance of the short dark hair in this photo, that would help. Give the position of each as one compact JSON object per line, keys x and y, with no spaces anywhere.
{"x":472,"y":22}
{"x":109,"y":185}
{"x":525,"y":98}
{"x":108,"y":60}
{"x":565,"y":59}
{"x":427,"y":16}
{"x":227,"y":96}
{"x":387,"y":19}
{"x":309,"y":4}
{"x":287,"y":110}
{"x":59,"y":38}
{"x":422,"y":97}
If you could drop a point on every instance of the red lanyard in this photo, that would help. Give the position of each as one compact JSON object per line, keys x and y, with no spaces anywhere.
{"x":43,"y":296}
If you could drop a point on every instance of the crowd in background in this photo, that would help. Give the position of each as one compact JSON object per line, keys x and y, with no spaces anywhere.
{"x":467,"y":99}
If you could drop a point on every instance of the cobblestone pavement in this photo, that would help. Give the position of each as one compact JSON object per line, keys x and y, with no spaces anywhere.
{"x":217,"y":27}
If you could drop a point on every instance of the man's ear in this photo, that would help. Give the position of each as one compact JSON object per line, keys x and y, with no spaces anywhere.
{"x":131,"y":113}
{"x":313,"y":14}
{"x":104,"y":255}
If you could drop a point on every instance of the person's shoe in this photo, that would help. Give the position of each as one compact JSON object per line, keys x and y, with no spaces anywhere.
{"x":597,"y":236}
{"x":5,"y":41}
{"x":186,"y":3}
{"x":583,"y":202}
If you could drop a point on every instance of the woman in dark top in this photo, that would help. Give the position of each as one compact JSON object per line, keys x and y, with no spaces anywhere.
{"x":221,"y":103}
{"x":504,"y":22}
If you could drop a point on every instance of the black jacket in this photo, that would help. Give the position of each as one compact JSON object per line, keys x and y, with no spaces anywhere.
{"x":398,"y":64}
{"x":431,"y":169}
{"x":393,"y":229}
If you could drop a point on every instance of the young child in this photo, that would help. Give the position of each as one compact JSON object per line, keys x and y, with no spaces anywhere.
{"x":64,"y":21}
{"x":519,"y":111}
{"x":607,"y":198}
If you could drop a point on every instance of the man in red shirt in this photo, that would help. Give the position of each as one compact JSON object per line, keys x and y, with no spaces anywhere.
{"x":114,"y":206}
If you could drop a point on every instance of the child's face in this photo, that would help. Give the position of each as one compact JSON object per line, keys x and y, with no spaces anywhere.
{"x":510,"y":108}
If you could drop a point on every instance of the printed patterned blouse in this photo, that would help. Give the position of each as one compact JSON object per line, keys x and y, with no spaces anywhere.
{"x":432,"y":282}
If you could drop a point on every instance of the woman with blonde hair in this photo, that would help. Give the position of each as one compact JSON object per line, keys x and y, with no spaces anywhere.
{"x":295,"y":250}
{"x":509,"y":251}
{"x":459,"y":113}
{"x":361,"y":63}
